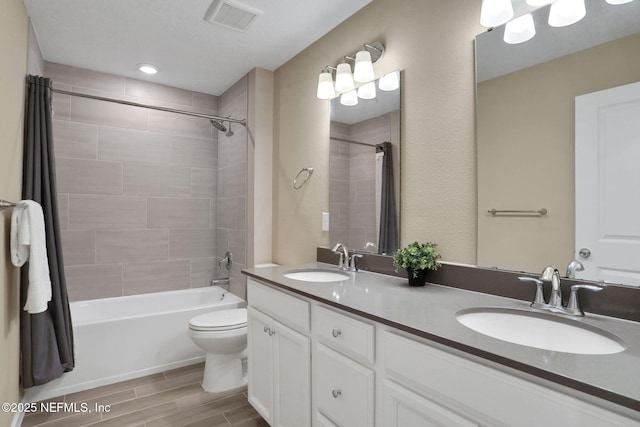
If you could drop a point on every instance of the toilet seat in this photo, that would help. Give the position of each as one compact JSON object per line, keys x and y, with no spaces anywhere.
{"x":224,"y":320}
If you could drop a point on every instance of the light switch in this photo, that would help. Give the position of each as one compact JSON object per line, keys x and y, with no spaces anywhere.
{"x":325,"y":221}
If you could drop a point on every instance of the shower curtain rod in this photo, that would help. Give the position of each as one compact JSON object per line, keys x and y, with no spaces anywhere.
{"x":243,"y":122}
{"x":353,"y":142}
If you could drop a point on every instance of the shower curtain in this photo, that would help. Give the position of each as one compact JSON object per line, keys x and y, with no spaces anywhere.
{"x":46,"y":339}
{"x":388,"y":242}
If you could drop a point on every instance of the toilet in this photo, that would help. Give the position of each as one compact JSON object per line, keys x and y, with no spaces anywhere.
{"x":223,"y":335}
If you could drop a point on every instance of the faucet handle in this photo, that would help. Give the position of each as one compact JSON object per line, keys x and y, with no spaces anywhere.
{"x":539,"y":299}
{"x":352,"y":265}
{"x":573,"y":307}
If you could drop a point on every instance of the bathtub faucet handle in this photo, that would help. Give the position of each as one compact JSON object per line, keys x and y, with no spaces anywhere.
{"x":227,"y":261}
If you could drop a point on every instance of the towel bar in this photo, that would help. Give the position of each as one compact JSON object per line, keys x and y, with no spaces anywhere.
{"x":540,"y":212}
{"x":5,"y":204}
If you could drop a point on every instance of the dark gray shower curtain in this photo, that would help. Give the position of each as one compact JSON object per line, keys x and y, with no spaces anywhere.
{"x":389,"y":241}
{"x":46,"y":339}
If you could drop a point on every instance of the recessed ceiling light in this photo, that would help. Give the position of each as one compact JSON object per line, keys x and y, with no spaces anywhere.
{"x":148,"y":68}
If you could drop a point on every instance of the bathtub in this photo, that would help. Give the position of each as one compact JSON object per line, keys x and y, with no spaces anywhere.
{"x":121,"y":338}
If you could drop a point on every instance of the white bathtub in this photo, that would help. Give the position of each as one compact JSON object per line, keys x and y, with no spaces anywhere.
{"x":121,"y":338}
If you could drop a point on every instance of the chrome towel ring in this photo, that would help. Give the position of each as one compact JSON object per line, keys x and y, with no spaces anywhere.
{"x":308,"y":171}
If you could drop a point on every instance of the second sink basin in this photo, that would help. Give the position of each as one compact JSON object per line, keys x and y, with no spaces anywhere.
{"x":539,"y":330}
{"x":317,"y":275}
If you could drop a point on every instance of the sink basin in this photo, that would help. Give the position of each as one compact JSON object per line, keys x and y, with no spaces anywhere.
{"x":539,"y":330}
{"x":317,"y":275}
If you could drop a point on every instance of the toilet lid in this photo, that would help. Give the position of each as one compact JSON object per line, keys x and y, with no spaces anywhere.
{"x":223,"y":320}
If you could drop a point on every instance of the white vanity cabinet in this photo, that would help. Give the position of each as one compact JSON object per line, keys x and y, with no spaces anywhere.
{"x":314,"y":364}
{"x":343,"y":375}
{"x":279,"y":356}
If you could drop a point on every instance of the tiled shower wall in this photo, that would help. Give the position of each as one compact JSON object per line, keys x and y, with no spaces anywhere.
{"x":352,"y":195}
{"x":137,"y":188}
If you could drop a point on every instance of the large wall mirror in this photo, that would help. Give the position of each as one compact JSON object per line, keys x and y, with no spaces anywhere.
{"x":364,"y":165}
{"x":558,"y":128}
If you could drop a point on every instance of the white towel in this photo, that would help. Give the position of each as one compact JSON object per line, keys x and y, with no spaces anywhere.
{"x":28,"y":242}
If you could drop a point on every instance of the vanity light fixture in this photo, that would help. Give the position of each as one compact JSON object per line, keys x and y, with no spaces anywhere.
{"x":618,"y":1}
{"x":344,"y":78}
{"x":495,"y":12}
{"x":389,"y":82}
{"x":325,"y":85}
{"x":520,"y":29}
{"x":345,"y":81}
{"x":148,"y":68}
{"x":566,"y":12}
{"x":367,"y":91}
{"x":537,"y":3}
{"x":349,"y":99}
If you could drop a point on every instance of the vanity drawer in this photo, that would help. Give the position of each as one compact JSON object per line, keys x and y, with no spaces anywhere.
{"x":345,"y":334}
{"x":342,"y":389}
{"x":289,"y":310}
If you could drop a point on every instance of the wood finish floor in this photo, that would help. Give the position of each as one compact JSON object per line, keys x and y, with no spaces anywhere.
{"x":168,"y":399}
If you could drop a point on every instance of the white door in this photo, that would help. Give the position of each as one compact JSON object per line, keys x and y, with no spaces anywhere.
{"x":608,"y":184}
{"x":292,"y":378}
{"x":260,"y":363}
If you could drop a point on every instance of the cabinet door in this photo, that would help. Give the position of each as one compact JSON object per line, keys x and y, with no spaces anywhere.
{"x":292,"y":377}
{"x":260,"y":363}
{"x":342,"y":389}
{"x":403,"y":408}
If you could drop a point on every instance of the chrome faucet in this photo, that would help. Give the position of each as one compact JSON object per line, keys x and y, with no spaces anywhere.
{"x":574,"y":266}
{"x":341,"y":249}
{"x":550,"y":273}
{"x":353,"y":266}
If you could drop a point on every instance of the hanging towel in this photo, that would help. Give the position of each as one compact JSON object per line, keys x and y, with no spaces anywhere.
{"x":28,"y":243}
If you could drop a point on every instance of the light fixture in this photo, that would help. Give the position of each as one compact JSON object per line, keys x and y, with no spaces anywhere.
{"x":615,"y":2}
{"x":349,"y":99}
{"x":344,"y":79}
{"x":390,"y":81}
{"x":325,"y":85}
{"x":566,"y":12}
{"x":495,"y":12}
{"x":519,"y":30}
{"x":537,"y":3}
{"x":363,"y":72}
{"x":367,"y":91}
{"x":148,"y":68}
{"x":363,"y":69}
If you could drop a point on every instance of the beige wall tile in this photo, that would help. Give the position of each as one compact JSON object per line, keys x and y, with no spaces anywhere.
{"x":79,"y":247}
{"x":131,"y":246}
{"x":192,"y":243}
{"x":206,"y":101}
{"x":61,"y":105}
{"x":94,"y":281}
{"x":133,"y":146}
{"x":80,"y":176}
{"x":204,"y":182}
{"x":75,"y":140}
{"x":156,"y":92}
{"x":155,"y":180}
{"x":85,"y":79}
{"x":63,"y":211}
{"x":178,"y":124}
{"x":194,"y":152}
{"x":101,"y":212}
{"x":171,"y":212}
{"x":142,"y":278}
{"x":232,"y":180}
{"x":108,"y":113}
{"x":204,"y":270}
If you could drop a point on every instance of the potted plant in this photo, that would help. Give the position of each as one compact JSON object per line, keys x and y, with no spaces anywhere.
{"x":417,"y":259}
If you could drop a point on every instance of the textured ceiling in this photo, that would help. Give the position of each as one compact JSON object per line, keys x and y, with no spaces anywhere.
{"x":112,"y":36}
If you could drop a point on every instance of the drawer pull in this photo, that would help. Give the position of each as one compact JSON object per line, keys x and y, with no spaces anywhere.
{"x":271,"y":333}
{"x":267,"y":330}
{"x":336,"y":333}
{"x":336,"y":393}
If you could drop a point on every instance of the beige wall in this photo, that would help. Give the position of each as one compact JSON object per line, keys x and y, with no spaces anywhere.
{"x":14,"y":28}
{"x":526,"y":152}
{"x":432,"y":41}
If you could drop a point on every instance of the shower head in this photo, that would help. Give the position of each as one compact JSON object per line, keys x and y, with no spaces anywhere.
{"x":218,"y":125}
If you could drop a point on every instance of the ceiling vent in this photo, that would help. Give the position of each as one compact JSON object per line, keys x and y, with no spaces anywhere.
{"x":232,"y":14}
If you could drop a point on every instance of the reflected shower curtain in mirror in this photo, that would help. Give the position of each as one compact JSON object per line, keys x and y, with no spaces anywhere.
{"x":46,"y":339}
{"x":388,"y":242}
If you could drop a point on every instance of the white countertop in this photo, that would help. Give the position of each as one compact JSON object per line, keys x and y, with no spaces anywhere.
{"x":430,"y":312}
